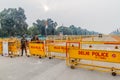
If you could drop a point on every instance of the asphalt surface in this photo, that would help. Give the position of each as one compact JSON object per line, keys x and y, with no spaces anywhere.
{"x":24,"y":68}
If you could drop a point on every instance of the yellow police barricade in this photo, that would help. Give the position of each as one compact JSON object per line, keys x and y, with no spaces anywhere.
{"x":37,"y":49}
{"x":1,"y":46}
{"x":76,"y":57}
{"x":13,"y":46}
{"x":56,"y":51}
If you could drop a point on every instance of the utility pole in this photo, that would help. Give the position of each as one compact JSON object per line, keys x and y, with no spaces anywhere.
{"x":62,"y":29}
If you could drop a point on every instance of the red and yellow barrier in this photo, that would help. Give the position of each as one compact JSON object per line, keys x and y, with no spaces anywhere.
{"x":56,"y":51}
{"x":75,"y":55}
{"x":96,"y":55}
{"x":37,"y":49}
{"x":1,"y":47}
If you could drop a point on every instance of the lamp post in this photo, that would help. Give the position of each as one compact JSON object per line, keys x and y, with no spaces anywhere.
{"x":54,"y":26}
{"x":46,"y":25}
{"x":0,"y":23}
{"x":62,"y":30}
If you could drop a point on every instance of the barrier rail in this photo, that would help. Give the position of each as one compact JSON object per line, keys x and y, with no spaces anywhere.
{"x":75,"y":55}
{"x":56,"y":51}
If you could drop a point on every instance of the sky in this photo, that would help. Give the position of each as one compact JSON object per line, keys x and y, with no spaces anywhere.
{"x":95,"y":15}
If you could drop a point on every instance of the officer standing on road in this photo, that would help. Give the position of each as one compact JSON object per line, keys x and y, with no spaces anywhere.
{"x":23,"y":45}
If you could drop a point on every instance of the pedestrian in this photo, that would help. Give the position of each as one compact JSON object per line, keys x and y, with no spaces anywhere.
{"x":23,"y":45}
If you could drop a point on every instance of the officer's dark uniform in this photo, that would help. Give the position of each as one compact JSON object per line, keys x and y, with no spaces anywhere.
{"x":23,"y":45}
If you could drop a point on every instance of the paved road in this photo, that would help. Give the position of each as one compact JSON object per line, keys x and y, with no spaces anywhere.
{"x":23,"y":68}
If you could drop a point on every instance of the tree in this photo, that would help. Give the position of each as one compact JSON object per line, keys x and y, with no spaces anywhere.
{"x":116,"y":32}
{"x":64,"y":30}
{"x":43,"y":30}
{"x":40,"y":24}
{"x":33,"y":30}
{"x":13,"y":21}
{"x":79,"y":31}
{"x":73,"y":30}
{"x":51,"y":26}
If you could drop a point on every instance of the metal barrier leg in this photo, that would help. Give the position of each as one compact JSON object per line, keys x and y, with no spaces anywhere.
{"x":113,"y":71}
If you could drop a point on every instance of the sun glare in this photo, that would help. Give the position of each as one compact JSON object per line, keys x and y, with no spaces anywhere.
{"x":46,"y":8}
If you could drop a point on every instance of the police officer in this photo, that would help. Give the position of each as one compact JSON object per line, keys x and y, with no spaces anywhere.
{"x":35,"y":38}
{"x":23,"y":45}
